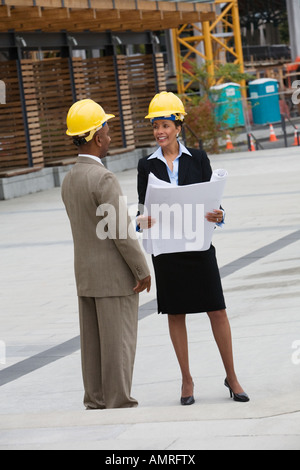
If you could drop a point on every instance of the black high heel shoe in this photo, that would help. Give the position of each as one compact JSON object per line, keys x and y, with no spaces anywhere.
{"x":187,"y":401}
{"x":241,"y":397}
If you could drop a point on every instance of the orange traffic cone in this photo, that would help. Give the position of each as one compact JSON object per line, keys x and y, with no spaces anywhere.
{"x":252,"y":146}
{"x":296,"y":137}
{"x":273,"y":137}
{"x":229,"y":145}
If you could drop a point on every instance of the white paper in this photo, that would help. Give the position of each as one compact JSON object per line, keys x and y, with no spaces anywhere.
{"x":152,"y":179}
{"x":180,"y":214}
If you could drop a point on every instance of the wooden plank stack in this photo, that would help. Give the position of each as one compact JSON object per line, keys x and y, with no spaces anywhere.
{"x":123,"y":85}
{"x":12,"y":132}
{"x":97,"y":15}
{"x":142,"y":88}
{"x":48,"y":96}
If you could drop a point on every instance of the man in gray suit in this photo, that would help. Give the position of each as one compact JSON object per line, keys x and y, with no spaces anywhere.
{"x":110,"y":268}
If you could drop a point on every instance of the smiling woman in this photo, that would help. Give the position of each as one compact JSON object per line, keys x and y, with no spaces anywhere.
{"x":165,"y":134}
{"x":187,"y":282}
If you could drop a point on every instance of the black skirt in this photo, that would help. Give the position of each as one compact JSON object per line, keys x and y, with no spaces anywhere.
{"x":188,"y":282}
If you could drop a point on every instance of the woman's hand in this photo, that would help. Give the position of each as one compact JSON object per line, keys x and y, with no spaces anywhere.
{"x":215,"y":217}
{"x":145,"y":222}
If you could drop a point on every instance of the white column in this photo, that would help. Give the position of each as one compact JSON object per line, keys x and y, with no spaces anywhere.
{"x":293,"y":8}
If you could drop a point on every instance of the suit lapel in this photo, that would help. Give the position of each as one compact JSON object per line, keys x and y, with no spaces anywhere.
{"x":184,"y":165}
{"x":159,"y":169}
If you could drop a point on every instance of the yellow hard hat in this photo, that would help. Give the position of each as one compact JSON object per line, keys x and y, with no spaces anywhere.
{"x":166,"y":105}
{"x":86,"y":116}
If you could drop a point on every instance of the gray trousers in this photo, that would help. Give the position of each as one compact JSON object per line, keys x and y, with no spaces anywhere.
{"x":108,"y":332}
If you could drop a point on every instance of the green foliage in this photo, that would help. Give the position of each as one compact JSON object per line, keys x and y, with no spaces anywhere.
{"x":224,"y":73}
{"x":284,"y":29}
{"x":201,"y":109}
{"x":231,"y":73}
{"x":200,"y":121}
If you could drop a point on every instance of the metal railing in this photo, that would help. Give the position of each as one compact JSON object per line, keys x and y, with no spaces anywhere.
{"x":250,"y":135}
{"x":186,"y":126}
{"x":258,"y":145}
{"x":285,"y":117}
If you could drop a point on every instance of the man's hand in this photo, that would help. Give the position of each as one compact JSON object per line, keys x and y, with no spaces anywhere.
{"x":142,"y":285}
{"x":145,"y":222}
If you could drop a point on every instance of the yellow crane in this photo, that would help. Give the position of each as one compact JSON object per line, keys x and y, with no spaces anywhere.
{"x":217,"y":35}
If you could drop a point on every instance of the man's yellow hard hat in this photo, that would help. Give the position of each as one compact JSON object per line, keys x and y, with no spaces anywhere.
{"x":86,"y":116}
{"x":167,"y":105}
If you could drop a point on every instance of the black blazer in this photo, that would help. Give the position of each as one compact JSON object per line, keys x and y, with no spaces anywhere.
{"x":192,"y":169}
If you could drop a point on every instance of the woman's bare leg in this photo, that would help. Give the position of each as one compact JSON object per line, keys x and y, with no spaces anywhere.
{"x":179,"y":337}
{"x":222,"y":334}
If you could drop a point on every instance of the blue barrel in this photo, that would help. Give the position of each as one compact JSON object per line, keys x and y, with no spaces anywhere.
{"x":264,"y":95}
{"x":228,"y":104}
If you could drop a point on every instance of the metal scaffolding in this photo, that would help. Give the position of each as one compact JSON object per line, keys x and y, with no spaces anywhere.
{"x":217,"y":36}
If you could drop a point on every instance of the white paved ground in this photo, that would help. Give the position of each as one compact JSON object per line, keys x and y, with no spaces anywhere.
{"x":259,"y":257}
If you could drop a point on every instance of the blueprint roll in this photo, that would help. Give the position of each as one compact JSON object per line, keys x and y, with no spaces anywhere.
{"x":179,"y":211}
{"x":219,"y":174}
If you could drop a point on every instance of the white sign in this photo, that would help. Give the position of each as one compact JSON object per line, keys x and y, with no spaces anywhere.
{"x":270,"y":89}
{"x":230,"y":92}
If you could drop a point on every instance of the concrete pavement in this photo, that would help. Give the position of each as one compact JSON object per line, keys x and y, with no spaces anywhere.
{"x":258,"y":252}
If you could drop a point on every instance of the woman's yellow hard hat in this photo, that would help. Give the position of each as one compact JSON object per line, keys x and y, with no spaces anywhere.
{"x":166,"y":105}
{"x":86,"y":116}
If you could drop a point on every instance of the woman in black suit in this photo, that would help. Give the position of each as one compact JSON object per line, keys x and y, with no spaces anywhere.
{"x":186,"y":282}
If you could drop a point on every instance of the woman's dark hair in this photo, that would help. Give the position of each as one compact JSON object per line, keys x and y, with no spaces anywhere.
{"x":179,"y":123}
